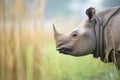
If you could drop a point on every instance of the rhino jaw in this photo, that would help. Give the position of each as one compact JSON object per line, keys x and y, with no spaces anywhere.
{"x":63,"y":50}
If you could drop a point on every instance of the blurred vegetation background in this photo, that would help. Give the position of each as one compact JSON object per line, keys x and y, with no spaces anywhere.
{"x":27,"y":47}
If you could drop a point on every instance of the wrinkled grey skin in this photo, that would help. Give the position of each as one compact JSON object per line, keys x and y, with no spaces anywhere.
{"x":82,"y":41}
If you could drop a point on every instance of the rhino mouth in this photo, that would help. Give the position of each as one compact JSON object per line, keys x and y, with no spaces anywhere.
{"x":64,"y":50}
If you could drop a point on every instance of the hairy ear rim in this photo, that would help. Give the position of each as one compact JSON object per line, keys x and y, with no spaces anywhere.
{"x":90,"y":12}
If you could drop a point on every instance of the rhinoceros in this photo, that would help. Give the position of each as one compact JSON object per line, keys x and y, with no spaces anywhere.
{"x":98,"y":35}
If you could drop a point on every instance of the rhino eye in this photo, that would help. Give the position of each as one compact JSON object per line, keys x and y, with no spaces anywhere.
{"x":74,"y":34}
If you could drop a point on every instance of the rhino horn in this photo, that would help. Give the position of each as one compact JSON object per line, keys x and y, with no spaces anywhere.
{"x":56,"y":33}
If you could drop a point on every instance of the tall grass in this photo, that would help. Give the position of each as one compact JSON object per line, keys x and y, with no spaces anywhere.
{"x":20,"y":46}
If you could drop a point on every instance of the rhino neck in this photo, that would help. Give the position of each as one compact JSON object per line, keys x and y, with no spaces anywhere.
{"x":100,"y":43}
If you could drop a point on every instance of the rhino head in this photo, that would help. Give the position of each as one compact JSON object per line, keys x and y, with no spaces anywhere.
{"x":80,"y":41}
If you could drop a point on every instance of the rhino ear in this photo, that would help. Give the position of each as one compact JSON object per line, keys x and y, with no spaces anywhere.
{"x":90,"y":12}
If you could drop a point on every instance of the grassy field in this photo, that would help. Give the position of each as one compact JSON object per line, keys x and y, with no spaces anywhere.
{"x":30,"y":56}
